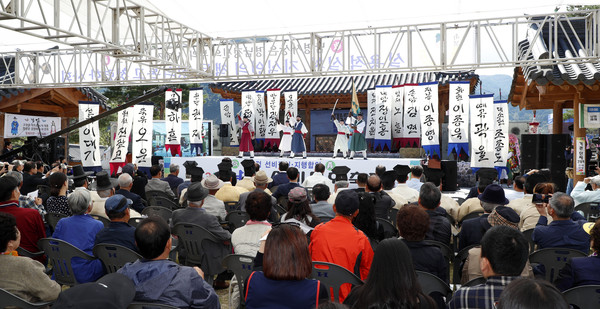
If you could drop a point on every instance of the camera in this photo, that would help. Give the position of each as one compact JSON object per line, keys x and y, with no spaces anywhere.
{"x":541,"y":198}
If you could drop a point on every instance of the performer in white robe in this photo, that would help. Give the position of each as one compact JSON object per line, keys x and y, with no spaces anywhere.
{"x":285,"y":144}
{"x":341,"y":140}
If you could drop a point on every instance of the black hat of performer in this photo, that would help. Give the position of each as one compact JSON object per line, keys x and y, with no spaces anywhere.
{"x":224,"y":166}
{"x":487,"y":173}
{"x":433,"y":175}
{"x":401,"y":169}
{"x":341,"y":172}
{"x":249,"y":168}
{"x":188,"y":164}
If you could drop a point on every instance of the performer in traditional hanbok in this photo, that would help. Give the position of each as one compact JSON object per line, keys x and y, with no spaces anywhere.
{"x":341,"y":140}
{"x":285,"y":144}
{"x":357,"y":143}
{"x":247,"y":137}
{"x":298,"y":138}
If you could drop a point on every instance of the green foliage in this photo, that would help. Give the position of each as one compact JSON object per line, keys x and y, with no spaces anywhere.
{"x":568,"y":114}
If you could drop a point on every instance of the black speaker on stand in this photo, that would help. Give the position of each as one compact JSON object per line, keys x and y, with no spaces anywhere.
{"x":539,"y":151}
{"x":450,"y":170}
{"x":224,"y":134}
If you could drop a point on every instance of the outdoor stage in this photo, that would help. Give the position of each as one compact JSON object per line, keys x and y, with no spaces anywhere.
{"x":305,"y":166}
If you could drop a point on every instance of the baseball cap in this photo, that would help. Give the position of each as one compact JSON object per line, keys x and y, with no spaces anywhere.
{"x":346,"y":202}
{"x":117,"y":203}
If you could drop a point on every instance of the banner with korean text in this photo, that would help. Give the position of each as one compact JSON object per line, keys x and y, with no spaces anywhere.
{"x":291,"y":106}
{"x":411,"y":128}
{"x":383,"y":115}
{"x":273,"y":104}
{"x":261,"y":116}
{"x":397,"y":113}
{"x":371,"y":117}
{"x":482,"y":131}
{"x":196,"y":116}
{"x":500,"y":136}
{"x":141,"y":149}
{"x":248,"y":109}
{"x":124,"y":125}
{"x":458,"y":117}
{"x":227,"y":118}
{"x":89,"y":135}
{"x":173,"y":105}
{"x":29,"y":125}
{"x":428,"y":103}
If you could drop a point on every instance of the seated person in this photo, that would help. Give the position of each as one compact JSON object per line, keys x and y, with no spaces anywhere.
{"x":119,"y":232}
{"x":321,"y":208}
{"x":22,"y":276}
{"x":245,"y":240}
{"x":80,"y":231}
{"x":162,"y":281}
{"x":531,"y":294}
{"x":582,"y":270}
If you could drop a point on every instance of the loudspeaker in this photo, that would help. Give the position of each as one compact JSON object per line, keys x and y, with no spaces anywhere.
{"x":57,"y":149}
{"x":449,"y":180}
{"x":539,"y":151}
{"x":224,"y":130}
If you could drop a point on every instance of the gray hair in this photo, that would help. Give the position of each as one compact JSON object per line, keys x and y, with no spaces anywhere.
{"x":562,"y":204}
{"x":488,"y":207}
{"x":125,"y":180}
{"x":16,"y":175}
{"x":17,"y":163}
{"x":196,"y":203}
{"x":173,"y":168}
{"x":596,"y":180}
{"x":105,"y":193}
{"x":79,"y":201}
{"x":342,"y":184}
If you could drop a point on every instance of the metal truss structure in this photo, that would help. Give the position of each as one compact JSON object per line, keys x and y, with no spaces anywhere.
{"x":117,"y":42}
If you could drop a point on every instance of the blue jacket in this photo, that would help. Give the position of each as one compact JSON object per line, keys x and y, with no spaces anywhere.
{"x":561,"y":234}
{"x":579,"y":271}
{"x":173,"y":181}
{"x":118,"y":233}
{"x":166,"y":282}
{"x":279,"y":179}
{"x":137,"y":200}
{"x":472,"y":231}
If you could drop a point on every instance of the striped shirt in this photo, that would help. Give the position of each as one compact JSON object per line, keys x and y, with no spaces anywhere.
{"x":482,"y":296}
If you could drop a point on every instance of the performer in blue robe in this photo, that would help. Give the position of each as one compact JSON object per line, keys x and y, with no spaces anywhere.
{"x":298,"y":138}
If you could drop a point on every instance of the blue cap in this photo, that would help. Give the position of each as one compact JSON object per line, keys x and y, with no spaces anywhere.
{"x":117,"y":203}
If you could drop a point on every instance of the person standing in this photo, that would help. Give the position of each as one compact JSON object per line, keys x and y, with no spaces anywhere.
{"x":341,"y":139}
{"x":298,"y":138}
{"x":285,"y":144}
{"x":247,"y":137}
{"x":357,"y":143}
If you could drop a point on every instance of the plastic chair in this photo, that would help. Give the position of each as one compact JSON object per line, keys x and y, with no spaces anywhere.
{"x":193,"y":239}
{"x":231,"y":206}
{"x":241,"y":266}
{"x":431,"y":284}
{"x":8,"y":299}
{"x":583,"y":297}
{"x":60,"y":253}
{"x":283,"y":201}
{"x":459,"y":259}
{"x":476,"y":281}
{"x":158,"y":211}
{"x":160,"y":198}
{"x":392,"y":215}
{"x":553,"y":259}
{"x":529,"y":236}
{"x":113,"y":257}
{"x":24,"y":252}
{"x":237,"y":219}
{"x":446,"y":251}
{"x":138,"y":305}
{"x":104,"y":221}
{"x":333,"y":276}
{"x":389,"y":230}
{"x":52,"y":219}
{"x":280,"y":210}
{"x":135,"y":221}
{"x":591,"y":210}
{"x":471,"y":215}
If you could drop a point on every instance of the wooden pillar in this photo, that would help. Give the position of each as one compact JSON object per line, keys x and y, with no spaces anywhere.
{"x":577,"y":132}
{"x":307,"y":124}
{"x":557,"y":122}
{"x":64,"y":123}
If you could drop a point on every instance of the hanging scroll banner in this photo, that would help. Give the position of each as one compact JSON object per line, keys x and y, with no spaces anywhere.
{"x":89,"y":136}
{"x":397,"y":113}
{"x":371,"y":117}
{"x":383,"y":115}
{"x":273,"y":103}
{"x":141,"y":148}
{"x":428,"y":102}
{"x":458,"y":121}
{"x":173,"y":105}
{"x":411,"y":129}
{"x":196,"y":116}
{"x":291,"y":106}
{"x":500,"y":136}
{"x":248,"y":106}
{"x":124,"y":125}
{"x":261,"y":117}
{"x":227,"y":118}
{"x":482,"y":131}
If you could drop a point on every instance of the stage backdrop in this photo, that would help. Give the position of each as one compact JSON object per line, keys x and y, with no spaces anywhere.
{"x":159,"y":137}
{"x":305,"y":167}
{"x":27,"y":125}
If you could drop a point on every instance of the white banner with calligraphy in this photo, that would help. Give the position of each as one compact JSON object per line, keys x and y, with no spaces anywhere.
{"x":141,"y":149}
{"x":500,"y":136}
{"x":371,"y":117}
{"x":273,"y":104}
{"x":227,"y":117}
{"x":261,"y":116}
{"x":196,"y":116}
{"x":397,"y":114}
{"x":248,"y":110}
{"x":173,"y":105}
{"x":29,"y":125}
{"x":89,"y":135}
{"x":458,"y":117}
{"x":411,"y":129}
{"x":291,"y":106}
{"x":383,"y":115}
{"x":482,"y":131}
{"x":580,"y":156}
{"x":121,"y":144}
{"x":427,"y":97}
